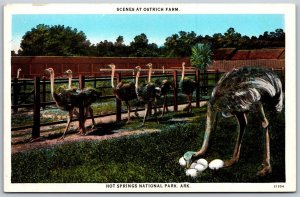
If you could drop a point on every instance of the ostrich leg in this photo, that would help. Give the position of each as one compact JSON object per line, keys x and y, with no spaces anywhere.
{"x":155,"y":111}
{"x":81,"y":118}
{"x":91,"y":111}
{"x":266,"y":162}
{"x":190,"y":103}
{"x":165,"y":105}
{"x":128,"y":111}
{"x":146,"y":113}
{"x":70,"y":116}
{"x":242,"y":119}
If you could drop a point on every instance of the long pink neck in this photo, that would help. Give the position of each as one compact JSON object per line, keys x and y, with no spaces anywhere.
{"x":52,"y":83}
{"x":183,"y":73}
{"x":137,"y":79}
{"x":70,"y":81}
{"x":112,"y":77}
{"x":149,"y":74}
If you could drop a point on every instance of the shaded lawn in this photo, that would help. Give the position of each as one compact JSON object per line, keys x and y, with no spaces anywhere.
{"x":154,"y":157}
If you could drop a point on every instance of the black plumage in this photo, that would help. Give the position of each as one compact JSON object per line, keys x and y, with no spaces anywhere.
{"x":146,"y":93}
{"x":238,"y":92}
{"x":187,"y":86}
{"x":123,"y":91}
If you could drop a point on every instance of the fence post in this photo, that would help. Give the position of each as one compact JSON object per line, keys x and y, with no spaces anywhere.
{"x":16,"y":91}
{"x":118,"y":102}
{"x":197,"y":88}
{"x":81,"y":81}
{"x":36,"y":109}
{"x":175,"y":90}
{"x":44,"y":92}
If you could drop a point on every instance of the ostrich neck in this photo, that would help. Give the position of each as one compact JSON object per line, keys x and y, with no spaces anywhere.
{"x":137,"y":79}
{"x":18,"y":74}
{"x":149,"y":74}
{"x":183,"y":73}
{"x":52,"y":84}
{"x":112,"y":77}
{"x":70,"y":81}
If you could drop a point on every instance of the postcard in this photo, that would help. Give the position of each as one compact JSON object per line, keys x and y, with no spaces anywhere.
{"x":156,"y":97}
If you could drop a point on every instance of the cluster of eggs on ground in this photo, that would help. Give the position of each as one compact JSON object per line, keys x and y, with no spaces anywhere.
{"x":197,"y":167}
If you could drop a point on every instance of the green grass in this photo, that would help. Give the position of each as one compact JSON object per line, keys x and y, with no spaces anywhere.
{"x":154,"y":157}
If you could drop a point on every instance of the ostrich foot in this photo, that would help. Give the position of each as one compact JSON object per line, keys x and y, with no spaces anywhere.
{"x":128,"y":121}
{"x":266,"y":170}
{"x":230,"y":162}
{"x":62,"y":138}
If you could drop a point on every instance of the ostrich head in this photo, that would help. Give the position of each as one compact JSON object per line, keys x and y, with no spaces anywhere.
{"x":149,"y":65}
{"x":138,"y":68}
{"x":112,"y":66}
{"x":68,"y":72}
{"x":50,"y":71}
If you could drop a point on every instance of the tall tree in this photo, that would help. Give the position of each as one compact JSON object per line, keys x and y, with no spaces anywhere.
{"x":54,"y":40}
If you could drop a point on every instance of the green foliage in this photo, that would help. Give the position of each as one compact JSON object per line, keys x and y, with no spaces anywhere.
{"x":201,"y":56}
{"x":54,"y":40}
{"x":65,"y":41}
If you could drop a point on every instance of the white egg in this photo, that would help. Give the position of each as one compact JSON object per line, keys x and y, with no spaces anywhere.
{"x":182,"y":162}
{"x":191,"y":172}
{"x":200,"y":167}
{"x":216,"y":164}
{"x":193,"y":165}
{"x":203,"y":162}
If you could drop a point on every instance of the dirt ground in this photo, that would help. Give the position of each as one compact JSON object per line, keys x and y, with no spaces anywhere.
{"x":19,"y":144}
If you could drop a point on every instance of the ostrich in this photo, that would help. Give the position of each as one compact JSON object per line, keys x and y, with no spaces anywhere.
{"x":91,"y":95}
{"x":165,"y":86}
{"x":238,"y":92}
{"x":67,"y":100}
{"x":146,"y":93}
{"x":123,"y":91}
{"x":162,"y":87}
{"x":187,"y":86}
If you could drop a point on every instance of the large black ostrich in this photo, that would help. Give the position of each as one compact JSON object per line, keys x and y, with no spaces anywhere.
{"x":187,"y":86}
{"x":146,"y":93}
{"x":162,"y":87}
{"x":238,"y":92}
{"x":90,"y":94}
{"x":165,"y":87}
{"x":123,"y":91}
{"x":67,"y":100}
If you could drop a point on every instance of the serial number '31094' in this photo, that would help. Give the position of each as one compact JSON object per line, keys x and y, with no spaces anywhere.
{"x":278,"y":186}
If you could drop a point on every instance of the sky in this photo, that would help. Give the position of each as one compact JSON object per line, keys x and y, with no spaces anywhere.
{"x":157,"y":27}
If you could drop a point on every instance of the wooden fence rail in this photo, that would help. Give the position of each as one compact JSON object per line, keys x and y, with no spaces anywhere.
{"x":203,"y":82}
